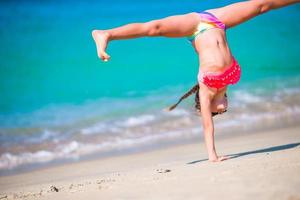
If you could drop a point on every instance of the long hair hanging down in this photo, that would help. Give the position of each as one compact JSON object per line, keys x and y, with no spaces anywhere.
{"x":194,"y":89}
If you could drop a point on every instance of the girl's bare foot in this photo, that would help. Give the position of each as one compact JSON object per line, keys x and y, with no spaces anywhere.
{"x":101,"y":40}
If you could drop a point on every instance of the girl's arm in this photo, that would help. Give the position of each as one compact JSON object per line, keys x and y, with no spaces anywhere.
{"x":208,"y":125}
{"x":205,"y":96}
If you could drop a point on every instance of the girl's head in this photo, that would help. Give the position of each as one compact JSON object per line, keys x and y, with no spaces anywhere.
{"x":219,"y":102}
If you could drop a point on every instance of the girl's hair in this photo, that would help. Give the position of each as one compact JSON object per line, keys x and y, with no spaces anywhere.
{"x":194,"y":89}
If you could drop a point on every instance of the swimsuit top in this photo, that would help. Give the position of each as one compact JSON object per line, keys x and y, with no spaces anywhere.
{"x":208,"y":21}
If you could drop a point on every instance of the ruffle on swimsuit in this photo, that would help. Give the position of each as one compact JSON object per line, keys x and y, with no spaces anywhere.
{"x":219,"y":80}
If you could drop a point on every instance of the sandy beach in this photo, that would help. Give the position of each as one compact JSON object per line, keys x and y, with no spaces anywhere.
{"x":264,"y":165}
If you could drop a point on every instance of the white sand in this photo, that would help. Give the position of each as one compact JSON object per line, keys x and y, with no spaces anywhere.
{"x":268,"y":168}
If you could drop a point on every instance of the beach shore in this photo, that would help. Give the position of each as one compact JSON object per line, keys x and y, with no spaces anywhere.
{"x":264,"y":165}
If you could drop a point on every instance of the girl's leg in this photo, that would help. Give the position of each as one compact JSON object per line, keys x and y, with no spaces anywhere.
{"x":174,"y":26}
{"x":238,"y":13}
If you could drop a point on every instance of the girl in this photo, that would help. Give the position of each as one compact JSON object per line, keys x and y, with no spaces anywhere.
{"x":206,"y":31}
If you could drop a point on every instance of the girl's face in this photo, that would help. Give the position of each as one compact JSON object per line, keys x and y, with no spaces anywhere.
{"x":219,"y":104}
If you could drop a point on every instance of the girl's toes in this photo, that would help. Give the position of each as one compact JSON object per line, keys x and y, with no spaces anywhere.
{"x":106,"y":58}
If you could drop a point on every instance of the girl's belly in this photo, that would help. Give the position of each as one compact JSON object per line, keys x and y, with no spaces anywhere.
{"x":214,"y":53}
{"x":214,"y":62}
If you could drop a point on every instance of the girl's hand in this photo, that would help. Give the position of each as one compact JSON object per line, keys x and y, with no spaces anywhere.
{"x":219,"y":158}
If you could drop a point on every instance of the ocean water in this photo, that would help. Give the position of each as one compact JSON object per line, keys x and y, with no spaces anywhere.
{"x":59,"y":102}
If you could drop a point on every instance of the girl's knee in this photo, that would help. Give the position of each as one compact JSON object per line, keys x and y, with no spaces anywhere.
{"x":153,"y":28}
{"x":264,"y":6}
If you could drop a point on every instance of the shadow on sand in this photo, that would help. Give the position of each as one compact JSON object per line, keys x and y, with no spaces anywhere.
{"x":265,"y":150}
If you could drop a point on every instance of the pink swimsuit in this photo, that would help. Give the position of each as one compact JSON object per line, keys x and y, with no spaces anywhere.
{"x":219,"y":80}
{"x":232,"y":73}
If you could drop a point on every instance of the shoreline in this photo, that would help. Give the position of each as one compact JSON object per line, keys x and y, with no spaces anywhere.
{"x":27,"y":148}
{"x":156,"y":146}
{"x":260,"y":159}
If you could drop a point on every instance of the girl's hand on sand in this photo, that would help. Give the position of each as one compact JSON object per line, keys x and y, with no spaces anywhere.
{"x":219,"y":159}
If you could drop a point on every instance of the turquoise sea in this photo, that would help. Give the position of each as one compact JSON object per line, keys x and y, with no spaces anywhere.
{"x":59,"y":102}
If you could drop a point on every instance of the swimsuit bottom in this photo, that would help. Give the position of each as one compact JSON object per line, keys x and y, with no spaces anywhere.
{"x":218,"y":80}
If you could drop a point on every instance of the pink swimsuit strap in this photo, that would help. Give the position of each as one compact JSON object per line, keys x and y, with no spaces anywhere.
{"x":218,"y":80}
